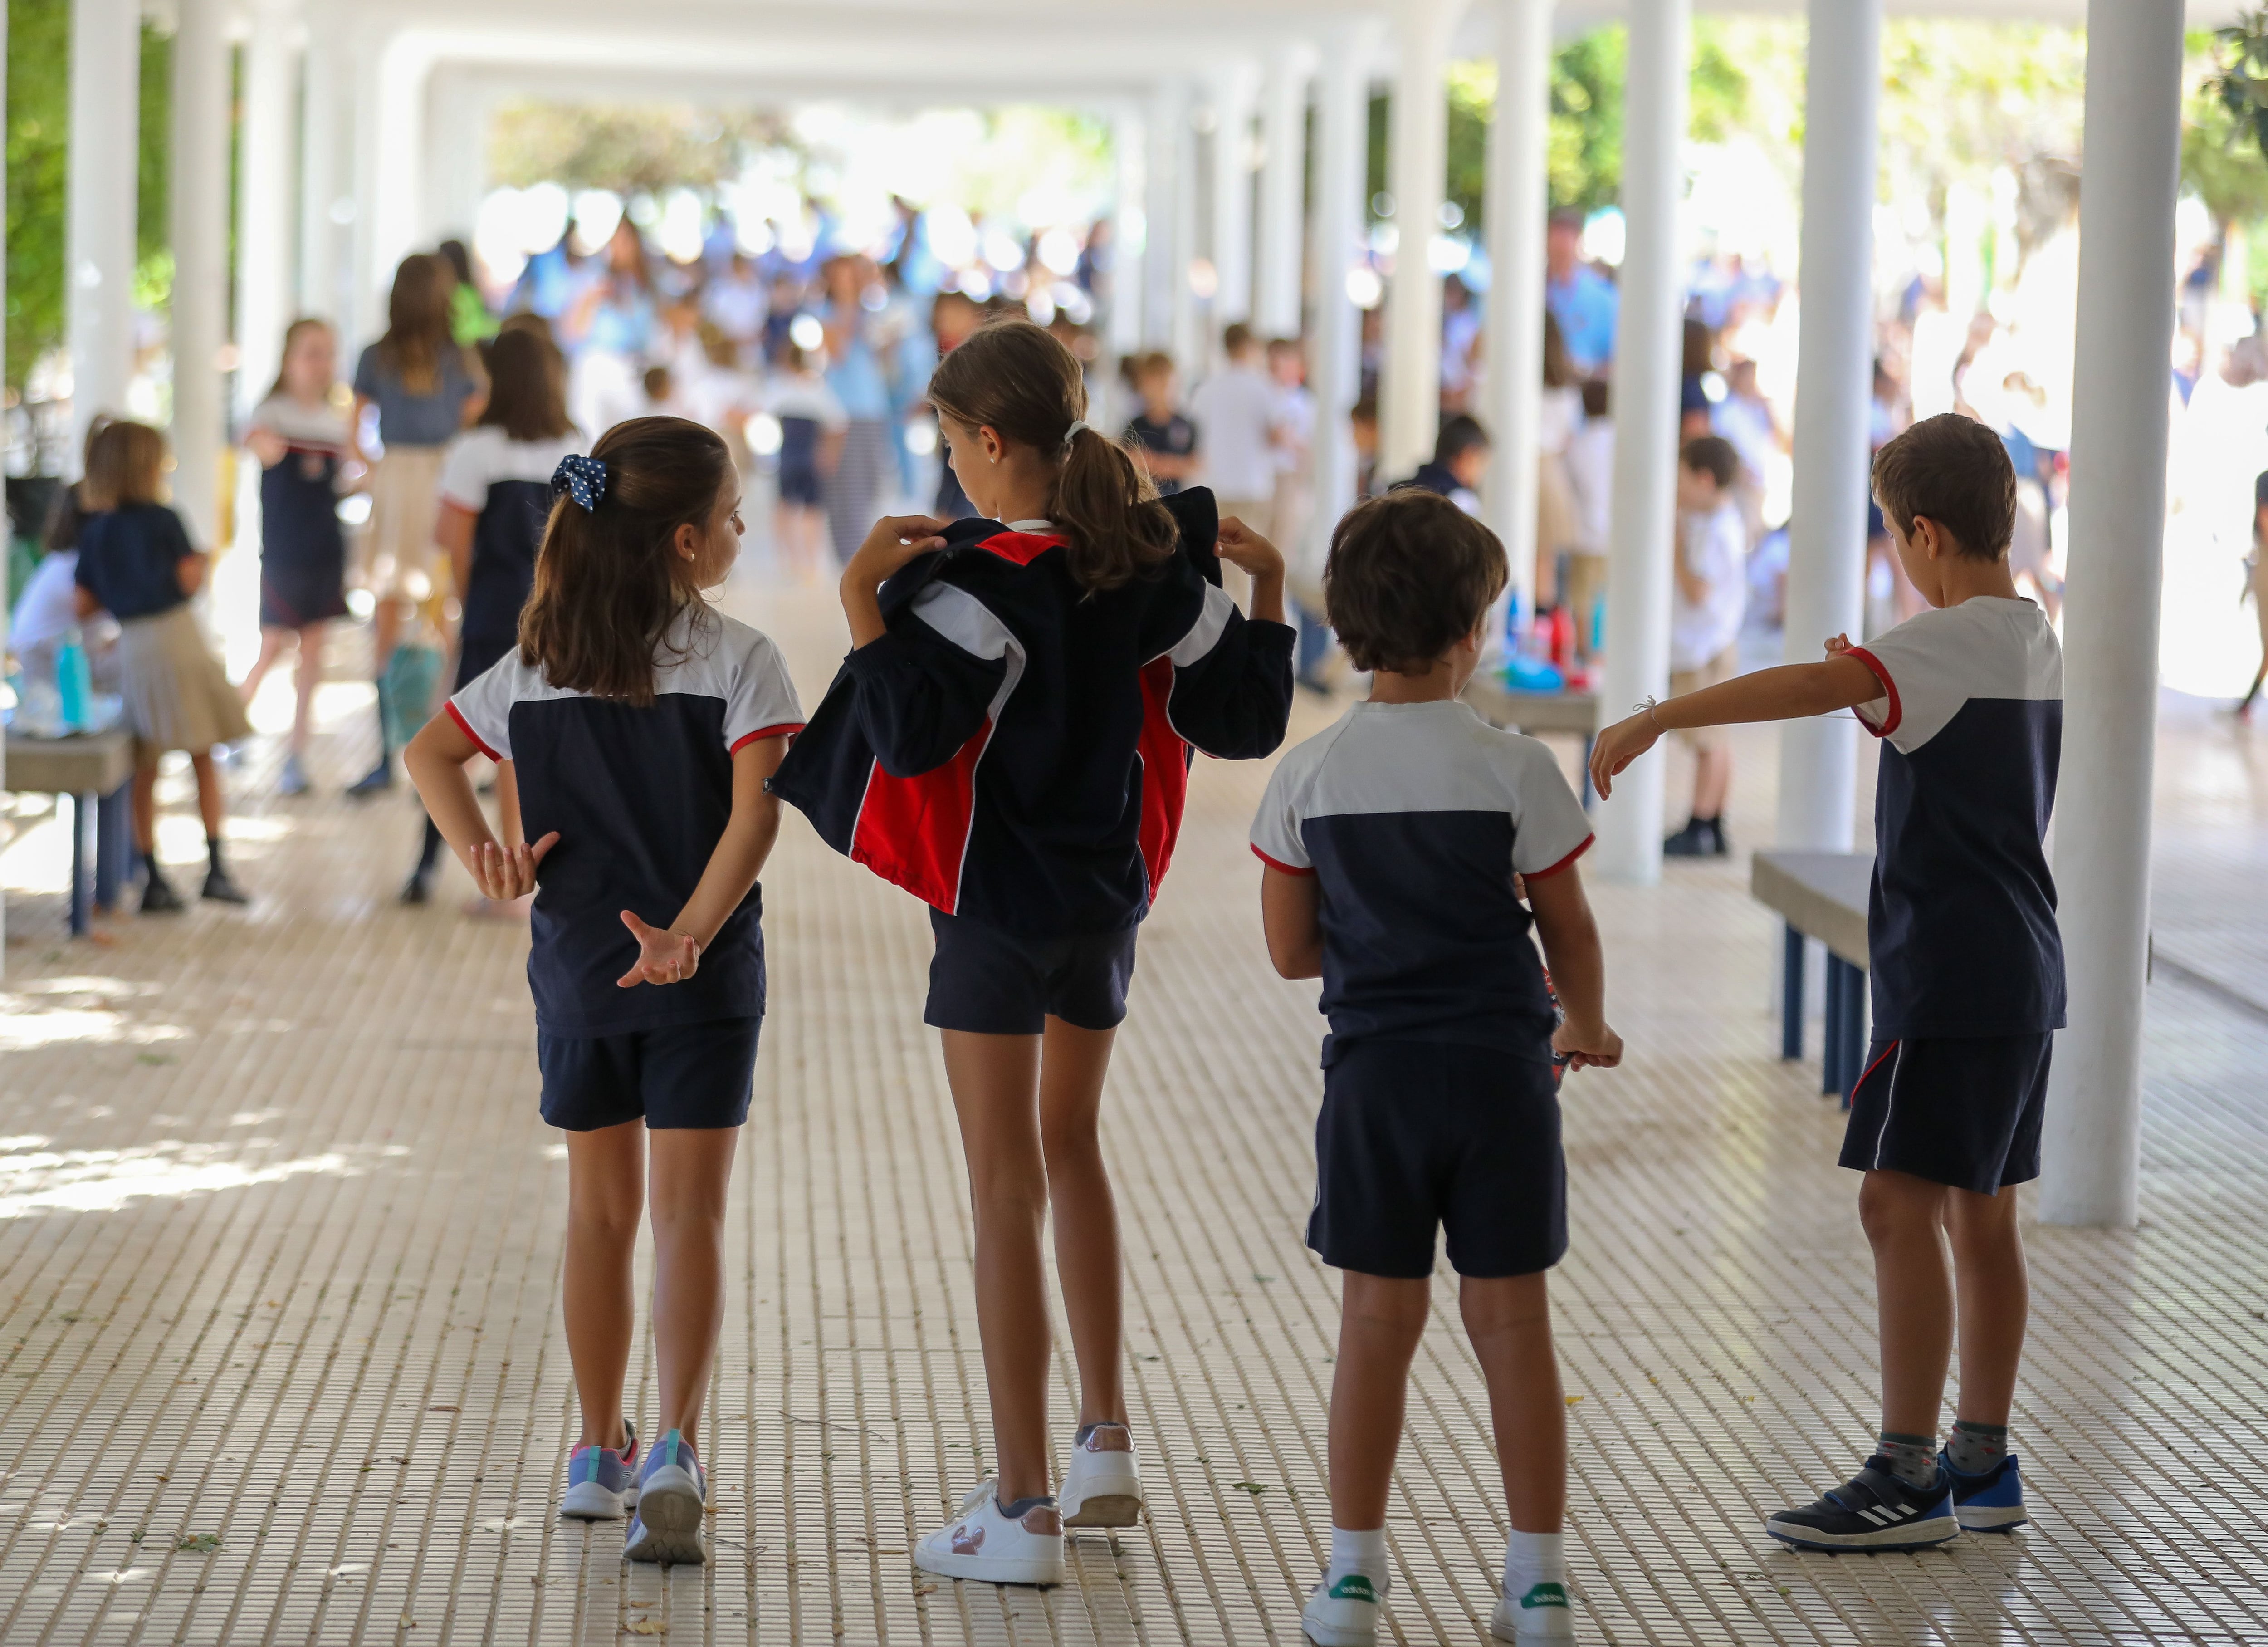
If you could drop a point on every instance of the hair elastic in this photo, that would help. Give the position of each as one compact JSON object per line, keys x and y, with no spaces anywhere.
{"x":582,"y":479}
{"x":1077,"y":424}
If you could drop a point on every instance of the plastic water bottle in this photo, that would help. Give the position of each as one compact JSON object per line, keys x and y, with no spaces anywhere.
{"x":74,"y":684}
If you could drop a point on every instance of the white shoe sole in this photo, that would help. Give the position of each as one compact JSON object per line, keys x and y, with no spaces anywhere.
{"x":991,"y":1569}
{"x":588,"y":1501}
{"x":671,"y":1518}
{"x":1908,"y":1535}
{"x":1337,"y":1636}
{"x":1990,"y":1517}
{"x":1107,"y":1498}
{"x":1504,"y":1627}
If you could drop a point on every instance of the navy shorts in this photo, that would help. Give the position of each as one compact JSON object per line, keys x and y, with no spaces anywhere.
{"x":992,"y":982}
{"x":1420,"y":1134}
{"x":1963,"y":1111}
{"x":680,"y":1075}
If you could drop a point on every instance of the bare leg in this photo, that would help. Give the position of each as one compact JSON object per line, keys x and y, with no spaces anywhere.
{"x":692,"y":1171}
{"x":212,"y":801}
{"x":307,"y":676}
{"x":1995,"y":1291}
{"x":605,"y":1182}
{"x":1509,"y":1320}
{"x":386,"y":629}
{"x":271,"y":647}
{"x":1712,"y":781}
{"x":1073,"y":1064}
{"x":995,"y":1080}
{"x":1380,"y":1320}
{"x":142,"y":802}
{"x":1905,"y":1220}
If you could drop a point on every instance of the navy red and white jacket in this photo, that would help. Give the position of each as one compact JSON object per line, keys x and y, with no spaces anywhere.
{"x":1015,"y":749}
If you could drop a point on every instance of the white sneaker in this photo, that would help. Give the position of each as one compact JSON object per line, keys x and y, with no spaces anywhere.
{"x":1103,"y":1487}
{"x":1343,"y":1614}
{"x":984,"y":1545}
{"x":1542,"y":1616}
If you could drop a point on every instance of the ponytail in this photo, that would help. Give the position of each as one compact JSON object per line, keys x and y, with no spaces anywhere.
{"x":1016,"y":379}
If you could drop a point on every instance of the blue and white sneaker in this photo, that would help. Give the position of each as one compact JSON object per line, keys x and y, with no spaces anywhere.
{"x":1875,"y":1509}
{"x":602,"y":1483}
{"x":1991,"y":1501}
{"x":673,"y":1506}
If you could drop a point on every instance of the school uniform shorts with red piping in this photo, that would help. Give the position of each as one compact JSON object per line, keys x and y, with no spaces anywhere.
{"x":1961,"y":1110}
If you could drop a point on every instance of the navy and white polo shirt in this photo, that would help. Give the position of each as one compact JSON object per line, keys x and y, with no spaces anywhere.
{"x":1414,"y":817}
{"x":506,"y":485}
{"x":640,"y":797}
{"x":1961,"y":925}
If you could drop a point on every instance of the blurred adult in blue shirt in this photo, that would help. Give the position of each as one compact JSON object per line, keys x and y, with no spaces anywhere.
{"x":1583,"y":302}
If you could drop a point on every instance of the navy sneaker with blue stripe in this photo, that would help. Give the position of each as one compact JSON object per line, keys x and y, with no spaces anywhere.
{"x":673,"y":1506}
{"x":1991,"y":1501}
{"x":1875,"y":1509}
{"x":601,"y":1482}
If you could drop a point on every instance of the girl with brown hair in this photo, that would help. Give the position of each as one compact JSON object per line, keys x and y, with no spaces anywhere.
{"x":1010,"y":741}
{"x":136,"y":563}
{"x":425,"y":389}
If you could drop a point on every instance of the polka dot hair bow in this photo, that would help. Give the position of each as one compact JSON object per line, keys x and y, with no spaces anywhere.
{"x":581,"y":478}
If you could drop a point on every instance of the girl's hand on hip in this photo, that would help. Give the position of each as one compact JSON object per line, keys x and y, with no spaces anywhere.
{"x":1243,"y":546}
{"x":504,"y":873}
{"x":896,"y":540}
{"x":663,"y":956}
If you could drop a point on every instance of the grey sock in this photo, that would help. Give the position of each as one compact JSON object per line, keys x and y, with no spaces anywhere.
{"x":1976,"y":1449}
{"x":1023,"y":1507}
{"x":1912,"y":1458}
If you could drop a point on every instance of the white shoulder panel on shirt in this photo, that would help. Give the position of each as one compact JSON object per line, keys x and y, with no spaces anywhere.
{"x":1938,"y":661}
{"x":1419,"y":758}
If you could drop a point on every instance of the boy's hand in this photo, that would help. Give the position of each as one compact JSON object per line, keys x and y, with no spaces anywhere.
{"x":269,"y":446}
{"x":1837,"y":645}
{"x":505,"y":873}
{"x":1243,"y":546}
{"x":1618,"y":746}
{"x":663,"y":956}
{"x":1588,"y":1046}
{"x":896,"y":540}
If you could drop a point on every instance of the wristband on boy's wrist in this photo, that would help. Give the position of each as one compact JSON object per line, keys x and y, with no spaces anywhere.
{"x":1646,"y":706}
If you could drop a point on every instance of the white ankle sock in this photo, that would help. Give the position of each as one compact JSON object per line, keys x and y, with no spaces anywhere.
{"x":1531,"y":1559}
{"x":1363,"y":1553}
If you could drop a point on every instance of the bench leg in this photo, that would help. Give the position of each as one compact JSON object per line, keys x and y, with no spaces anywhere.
{"x":1854,"y":1031}
{"x":82,"y":850}
{"x":1790,"y":998}
{"x":110,"y":832}
{"x":1831,"y":1054}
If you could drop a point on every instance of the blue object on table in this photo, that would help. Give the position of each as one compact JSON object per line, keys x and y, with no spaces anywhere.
{"x":1528,"y":674}
{"x":74,"y":680}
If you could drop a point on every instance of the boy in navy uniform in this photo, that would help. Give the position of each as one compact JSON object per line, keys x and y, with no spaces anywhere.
{"x":1967,"y":971}
{"x":1395,"y":844}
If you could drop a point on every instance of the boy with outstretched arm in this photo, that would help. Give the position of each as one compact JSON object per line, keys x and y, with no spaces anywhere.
{"x":1967,"y":972}
{"x":1394,"y":845}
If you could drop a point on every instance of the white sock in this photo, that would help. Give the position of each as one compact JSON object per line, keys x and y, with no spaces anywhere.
{"x":1531,"y":1559}
{"x":1363,"y":1553}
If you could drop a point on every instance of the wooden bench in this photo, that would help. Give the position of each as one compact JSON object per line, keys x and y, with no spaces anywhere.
{"x":93,"y":769}
{"x":1535,"y":712}
{"x":1822,"y":895}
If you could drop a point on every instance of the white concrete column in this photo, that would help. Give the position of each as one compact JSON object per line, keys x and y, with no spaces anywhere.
{"x":456,"y":157}
{"x":369,"y":274}
{"x":1647,"y":354}
{"x":1417,"y":161}
{"x":106,"y":103}
{"x":1235,"y":89}
{"x":2091,"y":1147}
{"x":1334,"y":344}
{"x":1187,"y":330}
{"x":1275,"y":295}
{"x":1128,"y":230}
{"x":397,"y":200}
{"x":1834,"y":384}
{"x":1517,"y":202}
{"x":266,"y":202}
{"x":200,"y":234}
{"x":1163,"y":252}
{"x":325,"y":139}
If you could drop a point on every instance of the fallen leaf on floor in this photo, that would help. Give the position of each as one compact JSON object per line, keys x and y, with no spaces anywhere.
{"x":648,"y":1627}
{"x":1255,"y":1488}
{"x":1574,"y":1400}
{"x":441,"y":1410}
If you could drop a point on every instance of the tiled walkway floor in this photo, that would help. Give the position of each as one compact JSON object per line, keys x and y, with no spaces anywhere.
{"x":280,"y":1357}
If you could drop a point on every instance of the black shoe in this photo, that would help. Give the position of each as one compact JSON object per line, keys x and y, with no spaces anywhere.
{"x":159,"y":899}
{"x":376,"y":780}
{"x":414,"y":890}
{"x":1719,"y":846}
{"x":1692,"y":841}
{"x":1876,"y":1509}
{"x":221,"y":889}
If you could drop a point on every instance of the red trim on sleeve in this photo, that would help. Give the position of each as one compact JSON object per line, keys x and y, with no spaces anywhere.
{"x":1889,"y":686}
{"x":1539,"y":874}
{"x":1281,"y":869}
{"x":787,"y":729}
{"x":457,"y":716}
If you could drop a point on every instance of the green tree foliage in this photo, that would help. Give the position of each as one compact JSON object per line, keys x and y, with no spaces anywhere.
{"x":2225,"y":134}
{"x":627,"y":149}
{"x":39,"y":158}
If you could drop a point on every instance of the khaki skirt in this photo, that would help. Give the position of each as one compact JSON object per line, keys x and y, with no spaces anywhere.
{"x":176,"y":694}
{"x":405,"y":504}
